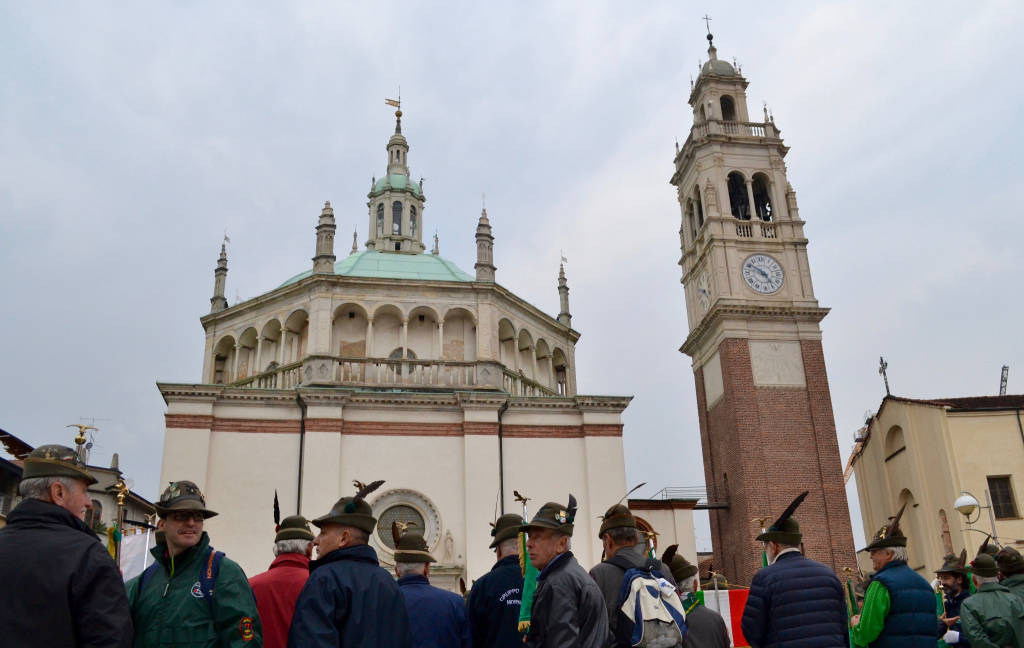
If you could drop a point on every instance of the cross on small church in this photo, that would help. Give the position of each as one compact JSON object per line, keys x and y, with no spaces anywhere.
{"x":707,"y":22}
{"x":882,"y":366}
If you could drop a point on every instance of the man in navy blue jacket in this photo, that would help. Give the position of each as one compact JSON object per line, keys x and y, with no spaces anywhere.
{"x":794,"y":602}
{"x":349,"y":600}
{"x":437,"y":617}
{"x":495,"y":598}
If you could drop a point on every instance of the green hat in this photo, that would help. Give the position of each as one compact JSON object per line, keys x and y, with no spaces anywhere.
{"x":985,"y":566}
{"x":990,"y":549}
{"x":1010,"y":561}
{"x":410,"y":546}
{"x":182,"y":496}
{"x":554,"y":516}
{"x":680,"y":567}
{"x":55,"y":461}
{"x":617,"y":517}
{"x":353,"y":511}
{"x":505,"y":528}
{"x":785,"y":530}
{"x":951,"y":564}
{"x":293,"y":527}
{"x":890,"y":535}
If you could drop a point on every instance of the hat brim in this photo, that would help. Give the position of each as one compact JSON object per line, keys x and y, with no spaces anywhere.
{"x":294,"y":534}
{"x":365,"y":523}
{"x":781,"y":537}
{"x":885,"y":543}
{"x":40,"y":467}
{"x":185,"y":505}
{"x":565,"y":529}
{"x":505,"y":534}
{"x":413,"y":556}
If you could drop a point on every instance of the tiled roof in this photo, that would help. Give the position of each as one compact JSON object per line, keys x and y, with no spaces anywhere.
{"x":1009,"y":401}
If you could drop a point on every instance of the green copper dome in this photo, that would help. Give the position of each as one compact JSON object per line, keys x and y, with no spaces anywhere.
{"x":398,"y":181}
{"x":391,"y":265}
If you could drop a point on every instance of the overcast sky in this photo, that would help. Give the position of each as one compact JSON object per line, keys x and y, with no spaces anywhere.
{"x":133,"y":134}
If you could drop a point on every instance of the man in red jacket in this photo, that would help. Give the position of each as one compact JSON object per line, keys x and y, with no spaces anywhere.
{"x":278,"y":588}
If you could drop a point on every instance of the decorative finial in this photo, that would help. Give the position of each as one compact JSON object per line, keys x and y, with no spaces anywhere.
{"x":373,"y":182}
{"x":882,"y":366}
{"x":677,"y":146}
{"x":483,"y":200}
{"x":707,"y":25}
{"x":765,"y":106}
{"x":397,"y":103}
{"x":355,"y":236}
{"x":437,"y":248}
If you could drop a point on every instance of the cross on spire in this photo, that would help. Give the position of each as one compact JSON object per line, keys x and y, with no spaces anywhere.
{"x":707,"y":23}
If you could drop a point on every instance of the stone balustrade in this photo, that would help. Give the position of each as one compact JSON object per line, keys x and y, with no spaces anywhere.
{"x":322,"y":370}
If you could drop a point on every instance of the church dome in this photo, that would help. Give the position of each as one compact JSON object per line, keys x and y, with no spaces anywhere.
{"x":399,"y":181}
{"x":389,"y":265}
{"x":719,"y":68}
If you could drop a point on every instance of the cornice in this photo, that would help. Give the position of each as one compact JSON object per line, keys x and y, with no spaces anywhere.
{"x":720,"y":312}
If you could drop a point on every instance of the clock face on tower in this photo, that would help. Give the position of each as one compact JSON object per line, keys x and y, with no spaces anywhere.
{"x":763,"y":273}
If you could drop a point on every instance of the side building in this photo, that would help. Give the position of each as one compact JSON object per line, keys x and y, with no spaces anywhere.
{"x":392,"y":364}
{"x":927,"y":454}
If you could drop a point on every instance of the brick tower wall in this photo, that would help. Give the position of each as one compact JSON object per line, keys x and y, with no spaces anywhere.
{"x":762,"y":447}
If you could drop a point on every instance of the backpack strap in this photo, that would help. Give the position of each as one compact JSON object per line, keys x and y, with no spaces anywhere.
{"x":209,"y":567}
{"x":145,"y":576}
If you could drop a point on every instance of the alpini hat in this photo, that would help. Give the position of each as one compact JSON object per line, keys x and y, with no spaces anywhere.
{"x":55,"y":461}
{"x":680,"y":567}
{"x":353,"y":511}
{"x":890,"y":535}
{"x":951,"y":564}
{"x":785,"y":530}
{"x":410,"y":546}
{"x":505,"y":528}
{"x":984,"y":565}
{"x":182,"y":496}
{"x":554,"y":516}
{"x":293,"y":527}
{"x":990,"y":549}
{"x":617,"y":517}
{"x":1010,"y":561}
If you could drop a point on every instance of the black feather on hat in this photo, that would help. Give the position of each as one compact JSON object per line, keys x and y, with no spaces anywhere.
{"x":785,"y":529}
{"x":364,"y":490}
{"x":680,"y":567}
{"x":572,"y":508}
{"x":890,"y":535}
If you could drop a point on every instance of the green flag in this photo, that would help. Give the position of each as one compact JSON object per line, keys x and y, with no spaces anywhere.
{"x":529,"y":585}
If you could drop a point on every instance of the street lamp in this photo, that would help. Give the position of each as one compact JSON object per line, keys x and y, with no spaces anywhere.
{"x":967,"y":504}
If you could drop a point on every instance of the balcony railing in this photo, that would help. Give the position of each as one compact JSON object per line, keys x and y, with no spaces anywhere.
{"x":396,"y":373}
{"x":732,"y":129}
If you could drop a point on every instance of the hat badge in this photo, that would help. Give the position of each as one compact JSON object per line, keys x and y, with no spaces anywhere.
{"x":560,"y":517}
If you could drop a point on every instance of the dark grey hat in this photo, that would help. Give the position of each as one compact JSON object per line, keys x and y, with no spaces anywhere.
{"x":182,"y":496}
{"x":505,"y":528}
{"x":554,"y":516}
{"x":353,"y":511}
{"x":55,"y":461}
{"x":293,"y":527}
{"x":410,"y":546}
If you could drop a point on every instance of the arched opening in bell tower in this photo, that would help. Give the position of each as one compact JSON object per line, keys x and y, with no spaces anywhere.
{"x":738,"y":200}
{"x":762,"y":198}
{"x":380,"y":219}
{"x":412,"y":221}
{"x":728,"y":108}
{"x":700,"y":207}
{"x":396,"y":217}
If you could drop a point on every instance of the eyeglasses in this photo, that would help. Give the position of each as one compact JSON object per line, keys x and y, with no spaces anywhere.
{"x":185,"y":516}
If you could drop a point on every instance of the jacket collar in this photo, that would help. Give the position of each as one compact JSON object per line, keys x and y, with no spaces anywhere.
{"x":556,"y":563}
{"x":413,"y":579}
{"x":358,"y":553}
{"x":892,"y":564}
{"x":507,"y":560}
{"x":35,"y":511}
{"x":789,"y":552}
{"x":291,"y":560}
{"x":993,"y":587}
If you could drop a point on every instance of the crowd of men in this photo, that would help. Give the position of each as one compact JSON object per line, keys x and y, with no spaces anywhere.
{"x":61,"y":587}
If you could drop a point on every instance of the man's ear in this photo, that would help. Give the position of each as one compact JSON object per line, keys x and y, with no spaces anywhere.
{"x":159,"y":524}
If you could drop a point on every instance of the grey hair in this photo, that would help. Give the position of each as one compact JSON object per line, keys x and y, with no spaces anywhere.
{"x":298,"y":546}
{"x":508,"y":546}
{"x":687,"y":585}
{"x":981,"y":580}
{"x":39,"y":487}
{"x":899,"y":553}
{"x":622,"y":535}
{"x":406,"y":568}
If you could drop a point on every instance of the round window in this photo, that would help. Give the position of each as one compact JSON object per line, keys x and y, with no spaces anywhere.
{"x":398,"y":513}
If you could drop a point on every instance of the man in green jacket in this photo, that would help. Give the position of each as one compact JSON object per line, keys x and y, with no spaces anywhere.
{"x":174,"y":602}
{"x":1011,"y":570}
{"x":992,"y":617}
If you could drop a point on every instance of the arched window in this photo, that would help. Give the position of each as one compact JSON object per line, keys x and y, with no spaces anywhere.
{"x":728,"y":108}
{"x":396,"y":217}
{"x":700,"y":207}
{"x":412,"y":221}
{"x":380,"y":219}
{"x":762,"y":198}
{"x":738,"y":196}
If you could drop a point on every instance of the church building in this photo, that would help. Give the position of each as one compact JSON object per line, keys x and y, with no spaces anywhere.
{"x":392,"y":363}
{"x":766,"y":423}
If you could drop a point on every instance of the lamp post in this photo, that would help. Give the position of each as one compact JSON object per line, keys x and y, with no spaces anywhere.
{"x":967,"y":504}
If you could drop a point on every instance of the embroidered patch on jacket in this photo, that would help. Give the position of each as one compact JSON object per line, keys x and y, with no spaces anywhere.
{"x":246,"y":629}
{"x":197,"y":591}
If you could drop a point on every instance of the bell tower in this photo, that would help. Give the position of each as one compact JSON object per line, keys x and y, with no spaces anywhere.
{"x":766,"y":423}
